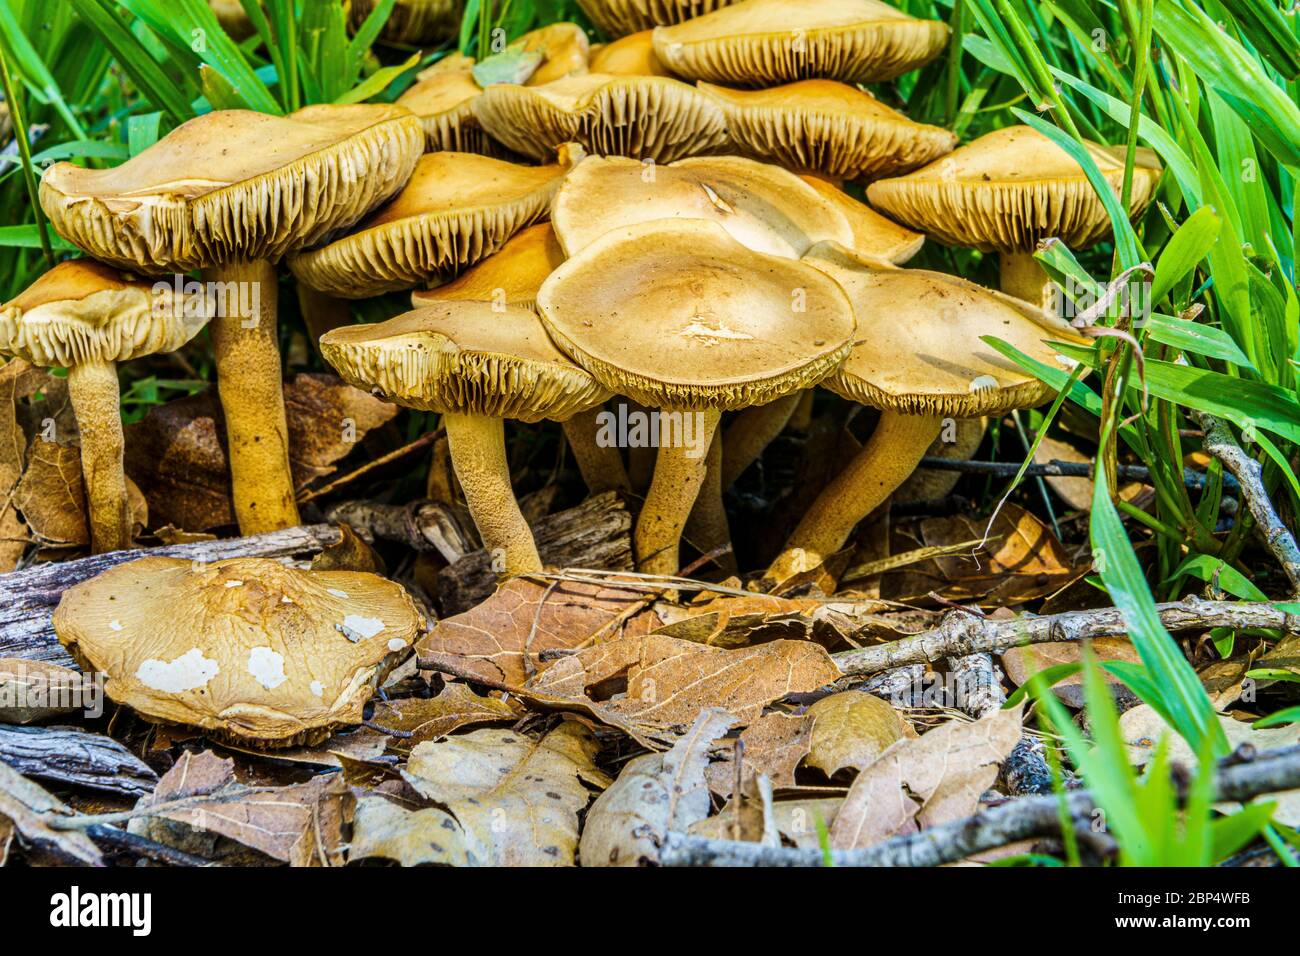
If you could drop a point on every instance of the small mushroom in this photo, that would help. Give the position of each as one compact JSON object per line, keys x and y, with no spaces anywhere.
{"x":1007,"y":191}
{"x":632,"y":55}
{"x":414,"y":22}
{"x":919,"y":358}
{"x":681,"y":317}
{"x":86,"y":317}
{"x":230,"y":192}
{"x":646,"y":117}
{"x":618,"y":18}
{"x":475,"y":365}
{"x":762,"y":42}
{"x":443,"y":99}
{"x":247,"y":649}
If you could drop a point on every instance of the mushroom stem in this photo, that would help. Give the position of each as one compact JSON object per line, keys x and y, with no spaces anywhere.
{"x":640,"y":458}
{"x":478,"y":453}
{"x":601,"y":464}
{"x":889,"y":456}
{"x":707,"y":528}
{"x":676,"y":484}
{"x":927,"y":484}
{"x":97,"y":402}
{"x":801,"y":419}
{"x":321,"y":312}
{"x":252,"y":397}
{"x":753,"y":430}
{"x":1024,"y":278}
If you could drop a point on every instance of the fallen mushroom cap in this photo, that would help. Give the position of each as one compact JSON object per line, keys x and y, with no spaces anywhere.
{"x":620,"y":17}
{"x":83,"y":311}
{"x":680,"y":315}
{"x":246,"y":648}
{"x":511,"y":276}
{"x":464,"y":357}
{"x":833,"y":128}
{"x":646,"y":117}
{"x":874,"y":236}
{"x":1010,"y":189}
{"x":414,"y":21}
{"x":632,"y":55}
{"x":760,"y":42}
{"x":456,"y":209}
{"x":764,"y":207}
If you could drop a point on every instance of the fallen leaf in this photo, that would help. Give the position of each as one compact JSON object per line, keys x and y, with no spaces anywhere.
{"x":1075,"y":492}
{"x":18,"y":379}
{"x":1022,"y":663}
{"x":851,"y":729}
{"x":429,"y":837}
{"x":747,"y":817}
{"x":52,"y":497}
{"x":27,"y":806}
{"x":772,"y":746}
{"x":433,"y":718}
{"x":728,"y":621}
{"x":34,"y":690}
{"x":361,"y":744}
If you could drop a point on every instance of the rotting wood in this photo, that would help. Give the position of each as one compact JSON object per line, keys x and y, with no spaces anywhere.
{"x":69,"y":756}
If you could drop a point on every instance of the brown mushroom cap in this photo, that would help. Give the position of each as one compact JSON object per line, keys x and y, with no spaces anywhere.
{"x":456,"y":209}
{"x":761,"y":42}
{"x":235,"y":185}
{"x":564,"y":48}
{"x":466,"y":357}
{"x":632,"y":55}
{"x":680,"y":315}
{"x":246,"y":648}
{"x":414,"y":21}
{"x":1008,"y":190}
{"x":766,"y":208}
{"x":646,"y":117}
{"x":832,"y":128}
{"x":920,"y":350}
{"x":874,"y":236}
{"x":511,"y":276}
{"x":230,"y":14}
{"x":83,"y":311}
{"x":444,"y":102}
{"x":618,"y":18}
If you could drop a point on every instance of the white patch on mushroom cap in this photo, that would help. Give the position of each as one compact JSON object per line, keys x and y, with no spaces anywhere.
{"x":318,"y":688}
{"x":365,"y":626}
{"x":115,"y":625}
{"x":233,"y":584}
{"x":187,"y":672}
{"x":396,"y":644}
{"x":267,"y":667}
{"x":337,"y":593}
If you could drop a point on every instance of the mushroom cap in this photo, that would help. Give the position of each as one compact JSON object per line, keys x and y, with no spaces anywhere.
{"x":246,"y":648}
{"x":764,"y":207}
{"x":230,"y":14}
{"x":564,"y":48}
{"x":414,"y":21}
{"x":512,"y":276}
{"x":1010,"y":189}
{"x":919,"y":349}
{"x":456,"y":209}
{"x":827,"y":126}
{"x":84,"y":311}
{"x":679,"y":315}
{"x":618,"y":18}
{"x":646,"y":117}
{"x":235,"y":185}
{"x":465,"y":357}
{"x":874,"y":236}
{"x":761,"y":42}
{"x":444,"y":102}
{"x":632,"y":55}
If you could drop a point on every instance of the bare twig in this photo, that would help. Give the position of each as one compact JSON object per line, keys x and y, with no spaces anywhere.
{"x":428,"y":438}
{"x":979,"y":692}
{"x":1058,"y":469}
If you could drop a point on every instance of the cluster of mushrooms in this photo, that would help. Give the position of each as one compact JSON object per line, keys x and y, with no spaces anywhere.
{"x":661,"y":218}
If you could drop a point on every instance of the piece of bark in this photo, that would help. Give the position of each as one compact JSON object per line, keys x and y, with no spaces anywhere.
{"x":28,"y":597}
{"x":420,"y":525}
{"x":66,"y":755}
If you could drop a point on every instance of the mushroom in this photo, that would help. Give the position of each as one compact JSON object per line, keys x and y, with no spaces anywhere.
{"x":476,"y":366}
{"x":761,"y":42}
{"x":233,"y":18}
{"x":645,"y":117}
{"x":564,"y":48}
{"x":618,"y":18}
{"x":920,"y":358}
{"x":247,"y":649}
{"x":443,"y":99}
{"x":230,"y":192}
{"x":414,"y":22}
{"x":681,"y":317}
{"x":86,"y":317}
{"x":632,"y":55}
{"x":456,"y":209}
{"x":830,"y":128}
{"x":1008,"y":190}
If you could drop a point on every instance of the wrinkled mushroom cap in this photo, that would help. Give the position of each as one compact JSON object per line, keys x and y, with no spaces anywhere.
{"x":83,"y":311}
{"x":618,"y":18}
{"x":1010,"y":189}
{"x":766,"y":208}
{"x":761,"y":42}
{"x":564,"y":48}
{"x":680,"y":315}
{"x":246,"y":648}
{"x":464,"y":357}
{"x":510,"y":277}
{"x":414,"y":21}
{"x":444,"y":102}
{"x":235,"y":185}
{"x":832,"y":128}
{"x":874,"y":236}
{"x":919,"y":348}
{"x":456,"y":209}
{"x":632,"y":55}
{"x":645,"y":117}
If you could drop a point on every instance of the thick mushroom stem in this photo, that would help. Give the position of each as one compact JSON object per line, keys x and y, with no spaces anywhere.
{"x":889,"y":456}
{"x":97,"y":402}
{"x":478,"y":453}
{"x":599,"y":461}
{"x":957,"y":444}
{"x":321,"y":312}
{"x":252,"y":396}
{"x":707,"y":529}
{"x":752,"y":431}
{"x":1025,"y":279}
{"x":679,"y":474}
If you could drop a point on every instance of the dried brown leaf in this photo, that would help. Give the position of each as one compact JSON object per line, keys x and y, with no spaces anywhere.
{"x":433,"y":718}
{"x":27,"y":806}
{"x":429,"y":837}
{"x":773,"y":746}
{"x":34,"y":690}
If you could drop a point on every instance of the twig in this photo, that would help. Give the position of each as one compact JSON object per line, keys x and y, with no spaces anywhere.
{"x":143,"y":846}
{"x":1058,"y":469}
{"x":428,"y":438}
{"x":978,"y":692}
{"x":1250,"y":476}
